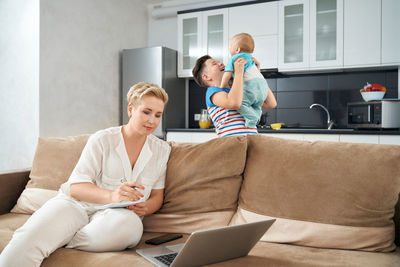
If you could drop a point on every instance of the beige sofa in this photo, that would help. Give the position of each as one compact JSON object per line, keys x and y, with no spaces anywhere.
{"x":336,"y":204}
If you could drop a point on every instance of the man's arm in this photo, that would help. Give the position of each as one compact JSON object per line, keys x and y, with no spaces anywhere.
{"x":225,"y":79}
{"x":233,"y":99}
{"x":270,"y":102}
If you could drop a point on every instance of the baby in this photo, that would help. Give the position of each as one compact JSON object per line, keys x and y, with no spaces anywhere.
{"x":255,"y":87}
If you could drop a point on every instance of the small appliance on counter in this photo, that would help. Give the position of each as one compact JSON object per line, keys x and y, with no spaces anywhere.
{"x":382,"y":114}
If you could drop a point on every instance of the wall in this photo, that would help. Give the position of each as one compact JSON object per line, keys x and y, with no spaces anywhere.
{"x":74,"y":59}
{"x":19,"y":82}
{"x":80,"y":44}
{"x":163,"y":31}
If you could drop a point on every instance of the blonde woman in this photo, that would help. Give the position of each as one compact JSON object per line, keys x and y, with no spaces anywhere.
{"x":123,"y":163}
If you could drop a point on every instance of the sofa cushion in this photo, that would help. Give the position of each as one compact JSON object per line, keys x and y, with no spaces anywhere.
{"x":204,"y":177}
{"x":355,"y":186}
{"x":10,"y":222}
{"x":186,"y":223}
{"x":53,"y":163}
{"x":263,"y":254}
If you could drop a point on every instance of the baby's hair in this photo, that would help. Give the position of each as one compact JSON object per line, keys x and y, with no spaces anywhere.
{"x":141,"y":89}
{"x":245,"y":42}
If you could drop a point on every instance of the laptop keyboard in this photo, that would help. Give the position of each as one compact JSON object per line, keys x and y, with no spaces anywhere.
{"x":167,"y":258}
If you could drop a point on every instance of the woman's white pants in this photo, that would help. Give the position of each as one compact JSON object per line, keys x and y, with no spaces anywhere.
{"x":63,"y":222}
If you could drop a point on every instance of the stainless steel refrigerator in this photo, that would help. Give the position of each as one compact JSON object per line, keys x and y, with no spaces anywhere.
{"x":155,"y":65}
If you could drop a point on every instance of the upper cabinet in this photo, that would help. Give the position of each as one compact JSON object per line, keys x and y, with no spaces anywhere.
{"x":294,"y":32}
{"x":297,"y":35}
{"x":189,"y":41}
{"x":261,"y":21}
{"x":201,"y":33}
{"x":326,"y":33}
{"x":310,"y":34}
{"x":390,"y":32}
{"x":362,"y":33}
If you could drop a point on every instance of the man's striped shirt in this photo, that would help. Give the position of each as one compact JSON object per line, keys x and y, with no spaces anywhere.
{"x":227,"y":122}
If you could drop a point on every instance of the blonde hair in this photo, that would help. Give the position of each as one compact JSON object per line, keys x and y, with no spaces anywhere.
{"x":244,"y":41}
{"x":141,"y":89}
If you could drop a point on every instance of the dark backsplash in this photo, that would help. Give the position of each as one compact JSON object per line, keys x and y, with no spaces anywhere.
{"x":295,"y":93}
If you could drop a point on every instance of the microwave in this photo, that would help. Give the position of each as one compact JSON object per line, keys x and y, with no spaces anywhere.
{"x":374,"y":114}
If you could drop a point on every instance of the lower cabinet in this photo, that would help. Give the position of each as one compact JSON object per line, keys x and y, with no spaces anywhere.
{"x":359,"y":138}
{"x":184,"y":137}
{"x":350,"y":138}
{"x":389,"y":139}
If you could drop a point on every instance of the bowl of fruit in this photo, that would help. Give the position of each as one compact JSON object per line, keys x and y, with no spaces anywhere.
{"x":372,"y":92}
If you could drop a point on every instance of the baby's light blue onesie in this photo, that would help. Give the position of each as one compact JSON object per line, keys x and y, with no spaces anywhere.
{"x":255,"y":89}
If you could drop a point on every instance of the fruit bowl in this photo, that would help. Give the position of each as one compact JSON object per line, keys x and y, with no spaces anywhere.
{"x":372,"y":92}
{"x":370,"y":96}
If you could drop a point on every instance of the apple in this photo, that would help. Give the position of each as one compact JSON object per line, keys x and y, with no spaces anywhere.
{"x":376,"y":87}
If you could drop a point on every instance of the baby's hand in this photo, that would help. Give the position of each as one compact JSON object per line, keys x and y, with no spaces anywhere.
{"x":239,"y":65}
{"x":257,"y":63}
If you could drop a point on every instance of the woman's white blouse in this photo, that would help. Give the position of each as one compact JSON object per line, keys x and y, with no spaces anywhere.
{"x":104,"y":162}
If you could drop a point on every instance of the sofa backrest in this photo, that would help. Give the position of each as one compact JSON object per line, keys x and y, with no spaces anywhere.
{"x":202,"y":186}
{"x":343,"y":186}
{"x":204,"y":177}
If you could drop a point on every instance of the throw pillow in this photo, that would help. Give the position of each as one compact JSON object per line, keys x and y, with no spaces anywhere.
{"x":53,"y":163}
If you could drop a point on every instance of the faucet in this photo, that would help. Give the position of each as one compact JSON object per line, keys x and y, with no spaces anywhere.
{"x":329,"y":121}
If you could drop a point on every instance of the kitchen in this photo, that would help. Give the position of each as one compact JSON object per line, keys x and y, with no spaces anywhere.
{"x":85,"y":40}
{"x":310,"y":53}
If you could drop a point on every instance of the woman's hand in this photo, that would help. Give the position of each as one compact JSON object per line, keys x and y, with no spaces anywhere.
{"x":127,"y":192}
{"x":141,"y":209}
{"x":151,"y":205}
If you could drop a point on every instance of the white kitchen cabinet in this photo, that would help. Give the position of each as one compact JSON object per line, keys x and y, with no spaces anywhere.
{"x":286,"y":136}
{"x":181,"y":137}
{"x":326,"y":34}
{"x":321,"y":137}
{"x":187,"y":137}
{"x":261,"y":22}
{"x":389,"y":139}
{"x":306,"y":137}
{"x":198,"y":137}
{"x":359,"y":138}
{"x":215,"y":34}
{"x":189,"y":41}
{"x":201,"y":33}
{"x":310,"y":34}
{"x":294,"y":32}
{"x":390,"y":32}
{"x":362,"y":33}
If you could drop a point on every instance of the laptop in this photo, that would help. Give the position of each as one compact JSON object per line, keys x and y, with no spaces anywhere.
{"x":209,"y":246}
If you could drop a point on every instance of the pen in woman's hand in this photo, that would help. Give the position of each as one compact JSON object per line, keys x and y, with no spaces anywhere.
{"x":123,"y":180}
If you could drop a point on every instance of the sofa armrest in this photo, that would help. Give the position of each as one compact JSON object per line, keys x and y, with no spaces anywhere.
{"x":11,"y":186}
{"x":397,"y":222}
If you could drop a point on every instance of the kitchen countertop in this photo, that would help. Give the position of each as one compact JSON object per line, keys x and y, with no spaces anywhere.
{"x":299,"y":130}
